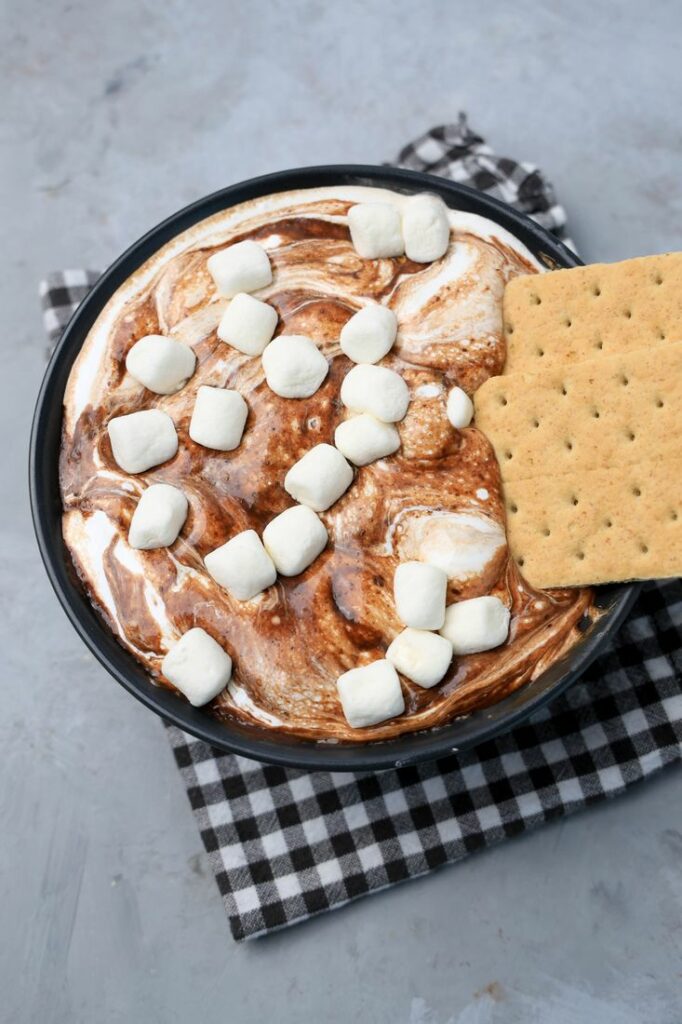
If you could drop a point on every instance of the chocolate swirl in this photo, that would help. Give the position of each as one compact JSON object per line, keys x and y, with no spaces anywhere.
{"x":440,"y":495}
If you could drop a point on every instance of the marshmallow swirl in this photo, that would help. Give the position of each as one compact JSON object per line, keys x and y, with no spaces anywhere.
{"x":291,"y":642}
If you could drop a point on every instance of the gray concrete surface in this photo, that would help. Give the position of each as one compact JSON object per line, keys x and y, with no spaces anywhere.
{"x":113,"y":116}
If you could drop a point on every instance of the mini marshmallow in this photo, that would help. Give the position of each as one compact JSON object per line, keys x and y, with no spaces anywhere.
{"x":218,"y":418}
{"x":158,"y":518}
{"x":426,"y":228}
{"x":319,"y":478}
{"x":370,"y":694}
{"x":478,"y":624}
{"x":422,"y":657}
{"x":242,"y":566}
{"x":163,"y":365}
{"x":198,"y":666}
{"x":376,"y":230}
{"x":247,"y":324}
{"x":369,"y":334}
{"x":243,"y":267}
{"x":377,"y":390}
{"x":294,"y":366}
{"x":364,"y":439}
{"x":460,"y":408}
{"x":294,"y":539}
{"x":419,"y":592}
{"x":143,"y":439}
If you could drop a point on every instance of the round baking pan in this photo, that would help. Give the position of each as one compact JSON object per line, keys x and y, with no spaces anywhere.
{"x":261,"y":744}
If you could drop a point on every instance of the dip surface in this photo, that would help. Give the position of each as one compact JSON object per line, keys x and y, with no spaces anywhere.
{"x":437,"y":499}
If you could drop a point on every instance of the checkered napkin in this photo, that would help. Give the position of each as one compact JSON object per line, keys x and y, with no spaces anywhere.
{"x":288,"y":844}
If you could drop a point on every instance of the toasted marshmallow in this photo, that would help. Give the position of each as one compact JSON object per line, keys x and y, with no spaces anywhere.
{"x":478,"y":624}
{"x":163,"y":365}
{"x":242,"y":566}
{"x":420,"y":656}
{"x":218,"y":418}
{"x":419,"y":592}
{"x":375,"y":230}
{"x":143,"y":439}
{"x":426,"y":228}
{"x":377,"y":390}
{"x":294,"y":366}
{"x":370,"y":694}
{"x":364,"y":439}
{"x":243,"y":267}
{"x":460,"y":408}
{"x":248,"y":324}
{"x":294,"y":539}
{"x":158,"y":518}
{"x":463,"y":544}
{"x":198,"y":667}
{"x":319,"y":478}
{"x":369,"y":334}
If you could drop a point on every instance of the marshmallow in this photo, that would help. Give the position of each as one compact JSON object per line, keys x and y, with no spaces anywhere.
{"x":242,"y":566}
{"x":141,"y":440}
{"x":419,"y":592}
{"x":294,"y":539}
{"x":377,"y":390}
{"x":243,"y":267}
{"x":248,"y":324}
{"x":426,"y":228}
{"x":319,"y":478}
{"x":478,"y":624}
{"x":294,"y":366}
{"x":198,"y":667}
{"x":158,"y":518}
{"x":369,"y":334}
{"x":375,"y":230}
{"x":422,"y":657}
{"x":370,"y":694}
{"x":163,"y":365}
{"x":364,"y":439}
{"x":218,"y":418}
{"x":460,"y":408}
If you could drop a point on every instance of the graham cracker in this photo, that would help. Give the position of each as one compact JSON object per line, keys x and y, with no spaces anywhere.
{"x":597,"y":526}
{"x":586,"y":422}
{"x":565,"y":316}
{"x":613,"y":412}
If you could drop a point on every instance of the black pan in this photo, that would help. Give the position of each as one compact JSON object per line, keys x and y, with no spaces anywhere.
{"x":46,"y":506}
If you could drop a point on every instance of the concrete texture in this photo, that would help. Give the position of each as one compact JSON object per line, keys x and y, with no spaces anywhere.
{"x":115,"y":115}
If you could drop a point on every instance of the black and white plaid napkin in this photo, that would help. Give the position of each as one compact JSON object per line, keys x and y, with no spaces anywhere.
{"x":288,"y":844}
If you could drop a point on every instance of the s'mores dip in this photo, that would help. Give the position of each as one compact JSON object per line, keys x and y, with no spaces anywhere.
{"x":273,"y":489}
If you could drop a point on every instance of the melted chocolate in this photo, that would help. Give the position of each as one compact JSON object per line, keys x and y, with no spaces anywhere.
{"x":291,"y":644}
